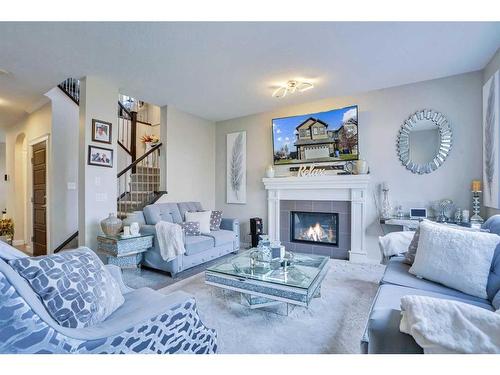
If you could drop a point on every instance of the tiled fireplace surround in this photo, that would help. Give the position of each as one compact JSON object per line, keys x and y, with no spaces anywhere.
{"x":344,"y":235}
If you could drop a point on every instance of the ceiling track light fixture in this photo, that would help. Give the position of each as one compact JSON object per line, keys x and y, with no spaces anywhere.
{"x":292,"y":87}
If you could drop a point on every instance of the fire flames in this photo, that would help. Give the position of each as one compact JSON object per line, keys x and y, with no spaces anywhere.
{"x":314,"y":233}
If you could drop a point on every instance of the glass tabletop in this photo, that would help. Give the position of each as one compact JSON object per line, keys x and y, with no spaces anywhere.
{"x":301,"y":273}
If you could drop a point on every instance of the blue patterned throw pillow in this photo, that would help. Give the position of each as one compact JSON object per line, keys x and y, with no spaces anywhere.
{"x":75,"y":287}
{"x":215,"y":220}
{"x":191,"y":228}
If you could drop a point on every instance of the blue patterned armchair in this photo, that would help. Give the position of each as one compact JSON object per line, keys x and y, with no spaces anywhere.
{"x":147,"y":322}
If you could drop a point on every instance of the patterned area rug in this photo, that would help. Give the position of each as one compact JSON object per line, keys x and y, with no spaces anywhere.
{"x":333,"y":323}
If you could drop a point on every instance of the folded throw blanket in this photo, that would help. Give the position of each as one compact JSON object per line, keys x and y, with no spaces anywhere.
{"x":170,"y":240}
{"x":395,"y":243}
{"x":445,"y":326}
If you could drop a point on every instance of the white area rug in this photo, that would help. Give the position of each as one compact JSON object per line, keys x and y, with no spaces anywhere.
{"x":333,"y":323}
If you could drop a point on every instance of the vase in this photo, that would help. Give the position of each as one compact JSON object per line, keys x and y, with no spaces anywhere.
{"x":386,"y":211}
{"x":270,"y":171}
{"x":361,"y":166}
{"x":134,"y":228}
{"x":112,"y":225}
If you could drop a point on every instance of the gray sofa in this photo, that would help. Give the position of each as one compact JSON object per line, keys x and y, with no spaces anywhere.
{"x":382,"y":334}
{"x":199,"y":249}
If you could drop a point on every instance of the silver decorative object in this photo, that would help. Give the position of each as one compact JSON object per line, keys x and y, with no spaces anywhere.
{"x":386,"y":211}
{"x":111,"y":226}
{"x":445,"y":141}
{"x":476,"y":208}
{"x":444,"y":210}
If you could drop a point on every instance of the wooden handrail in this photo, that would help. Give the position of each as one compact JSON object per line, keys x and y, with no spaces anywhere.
{"x":144,"y":123}
{"x":125,"y":109}
{"x":67,"y":241}
{"x":124,"y":148}
{"x":134,"y":164}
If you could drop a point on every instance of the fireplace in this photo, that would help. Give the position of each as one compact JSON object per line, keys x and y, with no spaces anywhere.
{"x":319,"y":228}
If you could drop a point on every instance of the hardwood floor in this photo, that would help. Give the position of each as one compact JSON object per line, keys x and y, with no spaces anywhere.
{"x":25,"y":249}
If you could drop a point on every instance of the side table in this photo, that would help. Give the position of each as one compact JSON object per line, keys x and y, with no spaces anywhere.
{"x":124,"y":252}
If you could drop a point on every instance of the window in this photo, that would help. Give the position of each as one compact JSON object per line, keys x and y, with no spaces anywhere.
{"x":304,"y":133}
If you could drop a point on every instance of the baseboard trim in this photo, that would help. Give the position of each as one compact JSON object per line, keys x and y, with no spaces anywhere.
{"x":18,"y":243}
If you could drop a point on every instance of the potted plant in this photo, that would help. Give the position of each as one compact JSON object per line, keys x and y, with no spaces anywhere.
{"x":6,"y":230}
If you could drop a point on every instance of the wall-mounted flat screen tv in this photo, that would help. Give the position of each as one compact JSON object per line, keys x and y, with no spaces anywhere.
{"x":317,"y":137}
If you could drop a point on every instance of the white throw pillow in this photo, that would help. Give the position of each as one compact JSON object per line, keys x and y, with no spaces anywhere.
{"x":202,"y":217}
{"x":456,"y":258}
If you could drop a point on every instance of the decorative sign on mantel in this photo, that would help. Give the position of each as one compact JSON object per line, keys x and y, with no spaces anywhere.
{"x":310,"y":171}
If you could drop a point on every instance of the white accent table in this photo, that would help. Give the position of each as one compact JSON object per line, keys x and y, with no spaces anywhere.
{"x":352,"y":188}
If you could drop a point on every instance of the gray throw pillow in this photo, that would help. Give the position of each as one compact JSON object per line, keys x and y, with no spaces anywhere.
{"x":191,"y":228}
{"x":75,"y":287}
{"x":215,"y":220}
{"x":412,"y":249}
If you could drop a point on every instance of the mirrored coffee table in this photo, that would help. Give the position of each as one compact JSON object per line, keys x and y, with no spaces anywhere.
{"x":271,"y":285}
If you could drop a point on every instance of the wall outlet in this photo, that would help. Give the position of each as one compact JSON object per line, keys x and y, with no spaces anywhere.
{"x":97,"y":181}
{"x":71,"y":185}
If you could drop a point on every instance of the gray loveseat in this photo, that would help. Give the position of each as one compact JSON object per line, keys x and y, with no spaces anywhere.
{"x":382,"y":334}
{"x":199,"y":249}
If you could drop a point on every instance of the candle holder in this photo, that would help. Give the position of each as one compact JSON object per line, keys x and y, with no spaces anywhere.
{"x":476,"y":207}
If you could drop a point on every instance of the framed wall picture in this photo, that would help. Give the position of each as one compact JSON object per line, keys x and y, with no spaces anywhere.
{"x":491,"y":143}
{"x":236,"y":173}
{"x":101,"y":157}
{"x":101,"y":131}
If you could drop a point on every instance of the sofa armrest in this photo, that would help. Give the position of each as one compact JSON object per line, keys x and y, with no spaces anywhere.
{"x":148,"y":229}
{"x":230,"y":224}
{"x":116,"y":272}
{"x":234,"y":226}
{"x":384,"y":336}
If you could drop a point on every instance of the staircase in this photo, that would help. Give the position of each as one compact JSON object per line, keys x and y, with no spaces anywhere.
{"x":139,"y":181}
{"x":141,"y":189}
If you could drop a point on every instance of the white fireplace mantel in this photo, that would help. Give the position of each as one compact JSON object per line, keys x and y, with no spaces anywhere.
{"x":352,"y":188}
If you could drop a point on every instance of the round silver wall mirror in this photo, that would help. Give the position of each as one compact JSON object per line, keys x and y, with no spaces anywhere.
{"x":424,"y":141}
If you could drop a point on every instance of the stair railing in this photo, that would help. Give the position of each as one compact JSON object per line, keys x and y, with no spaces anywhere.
{"x":71,"y":87}
{"x":139,"y":182}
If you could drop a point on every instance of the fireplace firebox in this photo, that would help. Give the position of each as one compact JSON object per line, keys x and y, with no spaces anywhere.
{"x":319,"y":228}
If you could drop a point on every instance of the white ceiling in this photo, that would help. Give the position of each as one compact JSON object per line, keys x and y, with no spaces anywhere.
{"x":225,"y":70}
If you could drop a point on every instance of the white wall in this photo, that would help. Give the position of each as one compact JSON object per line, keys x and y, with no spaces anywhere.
{"x":3,"y":183}
{"x":97,"y":186}
{"x":190,"y":157}
{"x":488,"y":71}
{"x":33,"y":126}
{"x":381,"y":114}
{"x":64,"y":169}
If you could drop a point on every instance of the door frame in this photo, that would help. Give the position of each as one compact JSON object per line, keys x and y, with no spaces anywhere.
{"x":43,"y":138}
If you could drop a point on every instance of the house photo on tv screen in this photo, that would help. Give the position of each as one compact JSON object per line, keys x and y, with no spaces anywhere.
{"x":317,"y":137}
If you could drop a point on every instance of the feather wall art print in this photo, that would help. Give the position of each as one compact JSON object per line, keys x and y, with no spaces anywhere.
{"x":491,"y":142}
{"x":236,"y":167}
